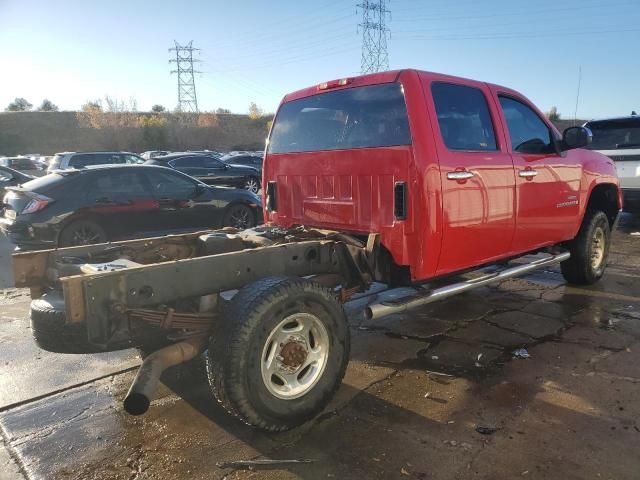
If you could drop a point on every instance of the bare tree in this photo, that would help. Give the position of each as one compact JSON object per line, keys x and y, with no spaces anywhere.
{"x":255,"y":112}
{"x":553,"y":114}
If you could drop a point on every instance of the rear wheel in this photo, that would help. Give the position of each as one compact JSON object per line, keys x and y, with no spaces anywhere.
{"x":589,"y":250}
{"x":82,"y":232}
{"x":252,"y":184}
{"x":239,"y":216}
{"x":282,"y":357}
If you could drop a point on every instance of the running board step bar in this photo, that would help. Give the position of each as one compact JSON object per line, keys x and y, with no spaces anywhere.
{"x":378,"y":310}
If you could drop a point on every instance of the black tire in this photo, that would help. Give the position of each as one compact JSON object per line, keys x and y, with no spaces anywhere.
{"x":82,"y":232}
{"x":252,"y":184}
{"x":580,"y":269}
{"x":235,"y":354}
{"x":50,"y":331}
{"x":239,"y":216}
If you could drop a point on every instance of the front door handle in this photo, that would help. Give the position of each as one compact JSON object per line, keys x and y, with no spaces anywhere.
{"x":459,"y":175}
{"x":528,"y":173}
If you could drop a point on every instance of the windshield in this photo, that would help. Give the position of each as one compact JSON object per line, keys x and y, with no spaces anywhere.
{"x":615,"y":134}
{"x":373,"y":116}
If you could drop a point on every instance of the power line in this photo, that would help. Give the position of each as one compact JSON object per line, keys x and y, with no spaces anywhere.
{"x":375,"y":57}
{"x":187,"y":99}
{"x":510,"y":35}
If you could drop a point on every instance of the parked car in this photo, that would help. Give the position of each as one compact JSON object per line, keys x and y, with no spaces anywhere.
{"x":619,"y":139}
{"x":11,"y":178}
{"x":407,"y":178}
{"x":65,"y":160}
{"x":104,"y":203}
{"x":252,"y":160}
{"x":19,"y":163}
{"x":154,"y":153}
{"x":210,"y":170}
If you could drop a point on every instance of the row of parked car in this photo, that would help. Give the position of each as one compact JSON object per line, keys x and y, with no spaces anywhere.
{"x":94,"y":197}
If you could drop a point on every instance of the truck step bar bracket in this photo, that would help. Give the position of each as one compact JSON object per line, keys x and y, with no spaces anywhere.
{"x":378,"y":310}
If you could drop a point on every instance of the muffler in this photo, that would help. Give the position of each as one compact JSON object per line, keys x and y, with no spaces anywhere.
{"x":144,"y":385}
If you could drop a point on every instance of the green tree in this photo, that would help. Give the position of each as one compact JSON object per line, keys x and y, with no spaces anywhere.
{"x":47,"y":106}
{"x":222,"y":110}
{"x":255,"y":112}
{"x":154,"y":131}
{"x":157,"y":108}
{"x":553,"y":114}
{"x":19,"y":105}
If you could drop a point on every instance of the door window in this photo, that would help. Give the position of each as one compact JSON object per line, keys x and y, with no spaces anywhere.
{"x":116,"y":184}
{"x":87,"y":159}
{"x":209,"y":162}
{"x":463,"y":117}
{"x":529,"y":134}
{"x":187,"y":162}
{"x":171,"y":185}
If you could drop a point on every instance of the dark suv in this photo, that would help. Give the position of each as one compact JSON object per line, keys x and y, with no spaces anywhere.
{"x":210,"y":170}
{"x":104,"y":203}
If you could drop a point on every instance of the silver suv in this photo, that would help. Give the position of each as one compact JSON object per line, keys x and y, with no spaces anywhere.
{"x":619,"y":139}
{"x":65,"y":160}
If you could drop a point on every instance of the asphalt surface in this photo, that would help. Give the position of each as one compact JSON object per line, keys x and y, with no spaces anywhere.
{"x":417,"y":388}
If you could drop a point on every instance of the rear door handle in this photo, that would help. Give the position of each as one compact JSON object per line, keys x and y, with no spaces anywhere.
{"x":528,"y":173}
{"x":460,"y":175}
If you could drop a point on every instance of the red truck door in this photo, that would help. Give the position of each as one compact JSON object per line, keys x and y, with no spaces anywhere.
{"x":547,"y":183}
{"x":477,"y":176}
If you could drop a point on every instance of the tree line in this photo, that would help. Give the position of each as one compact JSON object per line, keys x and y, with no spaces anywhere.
{"x":21,"y":104}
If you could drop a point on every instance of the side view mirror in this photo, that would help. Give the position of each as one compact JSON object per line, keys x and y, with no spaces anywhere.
{"x":200,"y":189}
{"x":576,"y":137}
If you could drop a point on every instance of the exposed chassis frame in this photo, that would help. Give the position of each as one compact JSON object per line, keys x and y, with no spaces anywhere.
{"x":103,"y":299}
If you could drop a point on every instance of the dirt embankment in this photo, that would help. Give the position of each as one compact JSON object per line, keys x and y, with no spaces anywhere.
{"x":50,"y":132}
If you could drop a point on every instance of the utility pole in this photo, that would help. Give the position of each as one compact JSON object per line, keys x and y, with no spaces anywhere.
{"x":187,"y":99}
{"x":375,"y":57}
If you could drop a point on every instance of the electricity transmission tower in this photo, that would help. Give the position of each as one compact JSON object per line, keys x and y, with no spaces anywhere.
{"x":375,"y":57}
{"x":187,"y":99}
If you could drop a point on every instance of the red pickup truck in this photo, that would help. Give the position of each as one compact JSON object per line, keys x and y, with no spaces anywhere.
{"x":405,"y":178}
{"x":452,"y":173}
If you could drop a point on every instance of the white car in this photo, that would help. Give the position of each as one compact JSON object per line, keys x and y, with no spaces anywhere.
{"x":619,"y":139}
{"x":65,"y":160}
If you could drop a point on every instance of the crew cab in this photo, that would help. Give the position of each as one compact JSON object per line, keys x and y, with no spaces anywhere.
{"x":403,"y":177}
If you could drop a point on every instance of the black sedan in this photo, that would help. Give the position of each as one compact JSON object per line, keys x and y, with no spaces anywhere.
{"x":103,"y":203}
{"x":210,"y":170}
{"x":11,"y":178}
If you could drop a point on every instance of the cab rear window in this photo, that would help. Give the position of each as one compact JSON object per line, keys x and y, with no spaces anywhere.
{"x":361,"y":117}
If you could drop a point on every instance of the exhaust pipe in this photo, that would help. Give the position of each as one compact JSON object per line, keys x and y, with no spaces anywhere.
{"x":144,"y":385}
{"x":378,"y":310}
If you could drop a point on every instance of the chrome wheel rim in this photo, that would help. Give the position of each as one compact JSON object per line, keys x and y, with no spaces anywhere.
{"x":85,"y":236}
{"x":598,"y":248}
{"x":240,"y":218}
{"x":252,"y":185}
{"x":294,"y":356}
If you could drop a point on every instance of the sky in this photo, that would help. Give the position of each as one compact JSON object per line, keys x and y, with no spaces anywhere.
{"x":74,"y":51}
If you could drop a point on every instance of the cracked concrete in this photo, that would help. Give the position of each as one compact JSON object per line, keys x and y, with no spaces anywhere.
{"x":416,"y":388}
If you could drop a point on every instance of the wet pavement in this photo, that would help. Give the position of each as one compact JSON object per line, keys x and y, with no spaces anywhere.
{"x":417,"y":387}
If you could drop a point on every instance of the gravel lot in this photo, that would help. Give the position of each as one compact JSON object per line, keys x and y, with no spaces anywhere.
{"x":417,"y":388}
